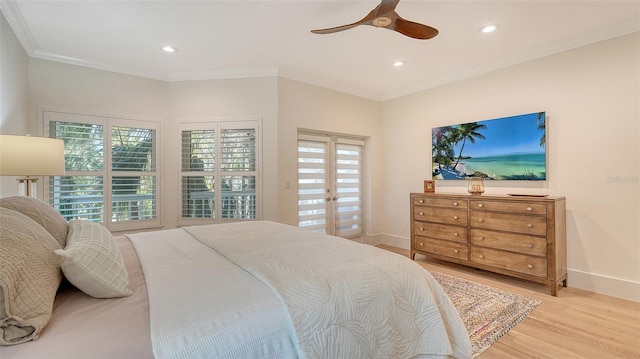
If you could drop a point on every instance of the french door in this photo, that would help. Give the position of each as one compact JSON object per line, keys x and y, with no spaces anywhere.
{"x":330,"y":184}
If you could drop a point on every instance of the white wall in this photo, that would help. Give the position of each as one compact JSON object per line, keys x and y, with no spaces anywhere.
{"x":70,"y":88}
{"x":303,"y":106}
{"x":237,"y":99}
{"x":13,"y":94}
{"x":59,"y":86}
{"x":592,"y":99}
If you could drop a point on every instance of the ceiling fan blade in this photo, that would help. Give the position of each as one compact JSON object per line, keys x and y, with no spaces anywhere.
{"x":386,"y":6}
{"x":367,"y":20}
{"x":335,"y":29}
{"x":414,"y":29}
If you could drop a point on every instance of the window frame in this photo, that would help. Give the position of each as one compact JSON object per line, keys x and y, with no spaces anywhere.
{"x":217,"y":125}
{"x":108,"y":122}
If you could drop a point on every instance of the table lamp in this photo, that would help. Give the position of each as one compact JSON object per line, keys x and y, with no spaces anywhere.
{"x":28,"y":156}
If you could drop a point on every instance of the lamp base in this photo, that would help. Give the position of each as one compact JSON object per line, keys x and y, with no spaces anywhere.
{"x":28,"y":186}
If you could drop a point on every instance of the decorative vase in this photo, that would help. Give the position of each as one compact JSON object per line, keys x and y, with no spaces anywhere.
{"x":476,"y":185}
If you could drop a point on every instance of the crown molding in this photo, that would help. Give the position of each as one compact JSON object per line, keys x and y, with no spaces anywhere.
{"x":154,"y":75}
{"x":16,"y":21}
{"x":269,"y":71}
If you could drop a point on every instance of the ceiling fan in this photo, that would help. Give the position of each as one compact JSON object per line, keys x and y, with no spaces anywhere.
{"x":385,"y":15}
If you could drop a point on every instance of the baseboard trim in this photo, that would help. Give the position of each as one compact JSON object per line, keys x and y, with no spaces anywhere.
{"x":597,"y":283}
{"x":388,"y":239}
{"x":602,"y":284}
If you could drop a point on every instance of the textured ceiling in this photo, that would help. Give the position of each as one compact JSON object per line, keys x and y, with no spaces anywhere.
{"x":230,"y":39}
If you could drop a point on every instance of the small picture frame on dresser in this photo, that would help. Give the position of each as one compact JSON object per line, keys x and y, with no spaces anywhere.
{"x":429,"y":186}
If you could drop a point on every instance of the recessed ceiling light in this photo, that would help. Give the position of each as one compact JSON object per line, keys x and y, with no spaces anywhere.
{"x":489,"y":28}
{"x":169,"y":49}
{"x":398,"y":63}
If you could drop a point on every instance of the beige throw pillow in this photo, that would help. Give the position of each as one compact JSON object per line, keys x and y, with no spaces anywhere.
{"x":92,"y":262}
{"x":42,"y":213}
{"x":29,"y":277}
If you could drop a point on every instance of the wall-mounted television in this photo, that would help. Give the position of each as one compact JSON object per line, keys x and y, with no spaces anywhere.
{"x":508,"y":148}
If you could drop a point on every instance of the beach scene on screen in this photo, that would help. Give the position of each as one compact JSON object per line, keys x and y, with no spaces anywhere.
{"x":508,"y":148}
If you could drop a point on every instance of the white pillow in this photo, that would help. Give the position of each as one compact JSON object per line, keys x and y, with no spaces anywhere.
{"x":92,"y":262}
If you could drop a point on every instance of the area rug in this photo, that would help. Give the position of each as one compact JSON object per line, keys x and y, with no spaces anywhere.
{"x":488,"y":313}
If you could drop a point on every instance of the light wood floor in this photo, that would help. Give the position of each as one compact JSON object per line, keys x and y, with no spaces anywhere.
{"x":575,"y":324}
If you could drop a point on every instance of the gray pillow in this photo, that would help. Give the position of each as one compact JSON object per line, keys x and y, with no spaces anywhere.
{"x":42,"y":213}
{"x":29,"y":277}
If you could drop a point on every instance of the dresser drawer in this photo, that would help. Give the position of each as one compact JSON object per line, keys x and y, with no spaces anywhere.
{"x":510,"y":207}
{"x":510,"y":261}
{"x":441,"y":231}
{"x":534,"y":225}
{"x":443,"y":248}
{"x":441,"y":215}
{"x":441,"y":202}
{"x":521,"y":243}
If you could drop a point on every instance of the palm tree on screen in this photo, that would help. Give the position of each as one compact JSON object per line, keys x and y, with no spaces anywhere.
{"x":540,"y":122}
{"x":468,"y":131}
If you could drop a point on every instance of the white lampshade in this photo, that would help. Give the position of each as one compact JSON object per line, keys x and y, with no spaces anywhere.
{"x":31,"y":156}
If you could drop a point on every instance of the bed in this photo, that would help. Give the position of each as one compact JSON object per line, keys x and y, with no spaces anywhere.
{"x":254,"y":289}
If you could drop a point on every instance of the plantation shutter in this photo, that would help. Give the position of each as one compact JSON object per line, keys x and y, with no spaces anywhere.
{"x":348,"y":188}
{"x":134,"y":177}
{"x":238,"y":173}
{"x":198,"y":166}
{"x":110,"y":170}
{"x":219,"y":173}
{"x":80,"y":193}
{"x":313,"y":184}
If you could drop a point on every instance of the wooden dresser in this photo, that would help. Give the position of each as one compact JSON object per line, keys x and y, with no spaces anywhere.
{"x":523,"y":237}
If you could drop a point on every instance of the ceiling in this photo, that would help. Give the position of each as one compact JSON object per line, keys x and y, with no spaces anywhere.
{"x":236,"y":39}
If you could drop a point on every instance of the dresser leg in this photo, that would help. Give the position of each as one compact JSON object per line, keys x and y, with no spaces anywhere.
{"x":554,"y":289}
{"x":413,"y":255}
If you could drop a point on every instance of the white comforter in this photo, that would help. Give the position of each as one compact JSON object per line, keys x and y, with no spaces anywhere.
{"x":325,"y":297}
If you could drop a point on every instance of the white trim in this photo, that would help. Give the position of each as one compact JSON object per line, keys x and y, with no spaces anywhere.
{"x":389,"y":239}
{"x":16,"y":22}
{"x":597,"y":283}
{"x":48,"y":114}
{"x":603,"y":284}
{"x":271,"y":71}
{"x":209,"y":123}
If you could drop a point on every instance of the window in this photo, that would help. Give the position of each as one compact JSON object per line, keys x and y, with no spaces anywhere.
{"x":330,"y":184}
{"x":219,"y":171}
{"x":111,"y":170}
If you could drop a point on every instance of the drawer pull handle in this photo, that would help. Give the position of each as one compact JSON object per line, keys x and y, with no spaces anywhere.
{"x":480,"y":220}
{"x":480,"y":205}
{"x":481,"y":256}
{"x":421,"y":201}
{"x":530,"y":245}
{"x":529,"y":209}
{"x":455,"y":234}
{"x":455,"y":251}
{"x":422,"y":228}
{"x":421,"y":244}
{"x":530,"y":225}
{"x":421,"y":213}
{"x":455,"y":217}
{"x":481,"y":238}
{"x":530,"y":266}
{"x":455,"y":203}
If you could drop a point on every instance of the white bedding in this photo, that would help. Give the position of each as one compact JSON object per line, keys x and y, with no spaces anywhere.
{"x":203,"y":306}
{"x":312,"y":295}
